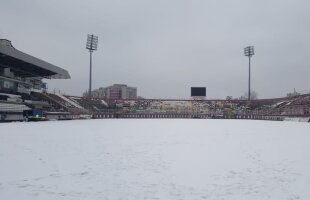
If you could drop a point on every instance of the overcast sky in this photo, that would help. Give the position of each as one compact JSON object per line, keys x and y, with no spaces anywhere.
{"x":163,"y":47}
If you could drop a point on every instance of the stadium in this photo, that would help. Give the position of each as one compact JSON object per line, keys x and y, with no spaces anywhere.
{"x":24,"y":96}
{"x":104,"y":148}
{"x":154,"y":100}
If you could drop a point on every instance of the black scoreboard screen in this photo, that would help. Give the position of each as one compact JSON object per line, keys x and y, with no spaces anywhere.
{"x":198,"y":91}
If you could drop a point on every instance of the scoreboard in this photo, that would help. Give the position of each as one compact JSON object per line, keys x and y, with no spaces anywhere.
{"x":198,"y":91}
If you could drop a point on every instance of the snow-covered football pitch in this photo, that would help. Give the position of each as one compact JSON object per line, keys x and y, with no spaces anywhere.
{"x":133,"y":159}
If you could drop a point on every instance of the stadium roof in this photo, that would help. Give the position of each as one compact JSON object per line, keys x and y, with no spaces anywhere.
{"x":25,"y":65}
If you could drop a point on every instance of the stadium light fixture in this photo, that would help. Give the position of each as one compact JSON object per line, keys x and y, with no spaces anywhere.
{"x":249,"y":52}
{"x":91,"y":45}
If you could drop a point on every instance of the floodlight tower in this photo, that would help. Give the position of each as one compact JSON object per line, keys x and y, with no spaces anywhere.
{"x":91,"y":45}
{"x":249,"y":51}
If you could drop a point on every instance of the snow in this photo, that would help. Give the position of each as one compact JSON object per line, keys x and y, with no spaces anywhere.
{"x":69,"y":101}
{"x":297,"y":119}
{"x":155,"y":159}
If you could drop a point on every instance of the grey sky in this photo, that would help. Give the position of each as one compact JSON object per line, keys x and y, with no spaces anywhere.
{"x":163,"y":47}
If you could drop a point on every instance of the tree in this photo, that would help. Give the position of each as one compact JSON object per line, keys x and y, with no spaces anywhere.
{"x":254,"y":95}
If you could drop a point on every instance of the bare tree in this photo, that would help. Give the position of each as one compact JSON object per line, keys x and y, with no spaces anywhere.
{"x":254,"y":95}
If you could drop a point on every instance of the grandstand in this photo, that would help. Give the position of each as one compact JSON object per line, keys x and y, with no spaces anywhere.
{"x":270,"y":109}
{"x":21,"y":78}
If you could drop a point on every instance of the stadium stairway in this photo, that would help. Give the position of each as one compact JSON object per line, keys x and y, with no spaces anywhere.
{"x":56,"y":105}
{"x":69,"y":105}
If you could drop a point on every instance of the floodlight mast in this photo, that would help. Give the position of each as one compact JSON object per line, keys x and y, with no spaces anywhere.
{"x":249,"y":51}
{"x":91,"y":45}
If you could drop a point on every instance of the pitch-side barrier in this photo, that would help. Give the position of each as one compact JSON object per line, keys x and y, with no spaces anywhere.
{"x":186,"y":116}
